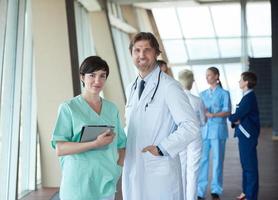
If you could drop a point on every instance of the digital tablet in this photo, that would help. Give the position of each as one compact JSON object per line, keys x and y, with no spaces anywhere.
{"x":91,"y":132}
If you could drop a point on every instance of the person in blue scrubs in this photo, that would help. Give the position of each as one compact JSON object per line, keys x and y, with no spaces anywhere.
{"x":89,"y":170}
{"x":246,"y":121}
{"x":214,"y":133}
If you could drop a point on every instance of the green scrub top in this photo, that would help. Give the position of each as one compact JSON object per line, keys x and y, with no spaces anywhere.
{"x":90,"y":175}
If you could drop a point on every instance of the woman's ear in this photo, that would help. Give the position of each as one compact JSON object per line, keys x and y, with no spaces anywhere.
{"x":82,"y":77}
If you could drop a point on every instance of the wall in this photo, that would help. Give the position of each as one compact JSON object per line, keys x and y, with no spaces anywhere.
{"x":262,"y":67}
{"x":53,"y":76}
{"x":104,"y":47}
{"x":274,"y":69}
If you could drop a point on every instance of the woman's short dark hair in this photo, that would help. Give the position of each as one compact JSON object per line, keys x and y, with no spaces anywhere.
{"x":92,"y":64}
{"x":251,"y":77}
{"x":145,"y":36}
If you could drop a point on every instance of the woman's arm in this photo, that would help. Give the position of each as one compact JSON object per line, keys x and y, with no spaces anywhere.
{"x":219,"y":114}
{"x":121,"y":156}
{"x":243,"y":109}
{"x":68,"y":148}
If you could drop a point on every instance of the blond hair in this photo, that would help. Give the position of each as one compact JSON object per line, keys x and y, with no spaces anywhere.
{"x":186,"y":78}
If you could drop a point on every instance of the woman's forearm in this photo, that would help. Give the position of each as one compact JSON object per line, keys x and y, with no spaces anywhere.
{"x":221,"y":114}
{"x":121,"y":156}
{"x":68,"y":148}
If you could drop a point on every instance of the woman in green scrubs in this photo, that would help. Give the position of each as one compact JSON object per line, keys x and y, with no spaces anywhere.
{"x":89,"y":171}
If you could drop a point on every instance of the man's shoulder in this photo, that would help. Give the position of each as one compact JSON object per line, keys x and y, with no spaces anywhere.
{"x":168,"y":80}
{"x":194,"y":97}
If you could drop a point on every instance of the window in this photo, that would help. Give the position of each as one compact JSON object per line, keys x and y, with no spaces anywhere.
{"x":121,"y":42}
{"x":198,"y":37}
{"x":85,"y":42}
{"x":18,"y":102}
{"x":201,"y":16}
{"x":259,"y":29}
{"x":167,"y":23}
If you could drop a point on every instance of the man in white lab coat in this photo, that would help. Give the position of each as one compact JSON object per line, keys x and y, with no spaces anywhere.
{"x":160,"y":124}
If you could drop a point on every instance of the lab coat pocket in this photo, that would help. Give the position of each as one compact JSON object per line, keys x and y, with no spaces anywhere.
{"x":156,"y":165}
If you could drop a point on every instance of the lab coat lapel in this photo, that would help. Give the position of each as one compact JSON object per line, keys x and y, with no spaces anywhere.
{"x":149,"y":88}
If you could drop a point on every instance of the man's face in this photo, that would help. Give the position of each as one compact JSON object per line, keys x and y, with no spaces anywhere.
{"x":144,"y":56}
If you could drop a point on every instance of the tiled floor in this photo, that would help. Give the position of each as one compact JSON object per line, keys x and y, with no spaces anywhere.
{"x":268,"y":165}
{"x":41,"y":194}
{"x":268,"y":168}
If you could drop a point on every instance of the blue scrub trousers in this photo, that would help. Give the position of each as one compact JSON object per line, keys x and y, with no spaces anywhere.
{"x":218,"y":152}
{"x":249,"y":163}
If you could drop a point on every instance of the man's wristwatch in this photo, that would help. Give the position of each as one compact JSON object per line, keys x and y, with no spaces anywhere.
{"x":159,"y":151}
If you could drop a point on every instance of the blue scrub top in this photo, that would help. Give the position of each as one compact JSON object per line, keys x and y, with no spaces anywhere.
{"x":95,"y":173}
{"x":217,"y":100}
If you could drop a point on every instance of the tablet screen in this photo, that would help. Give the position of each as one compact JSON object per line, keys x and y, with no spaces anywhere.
{"x":91,"y":132}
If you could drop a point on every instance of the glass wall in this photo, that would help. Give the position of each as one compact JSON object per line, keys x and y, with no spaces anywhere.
{"x":85,"y":41}
{"x":28,"y":114}
{"x":197,"y":37}
{"x":121,"y":42}
{"x":18,"y":123}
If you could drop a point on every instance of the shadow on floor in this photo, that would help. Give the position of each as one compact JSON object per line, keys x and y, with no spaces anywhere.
{"x":55,"y":196}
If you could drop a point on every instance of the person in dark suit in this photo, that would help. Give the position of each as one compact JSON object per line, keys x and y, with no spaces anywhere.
{"x":247,"y":129}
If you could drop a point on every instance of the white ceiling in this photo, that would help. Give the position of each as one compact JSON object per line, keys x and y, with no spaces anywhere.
{"x":176,"y":1}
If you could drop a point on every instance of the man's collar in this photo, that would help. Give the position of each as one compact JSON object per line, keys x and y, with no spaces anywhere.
{"x":148,"y":77}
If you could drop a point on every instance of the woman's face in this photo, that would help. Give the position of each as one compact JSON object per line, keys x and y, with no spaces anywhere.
{"x":94,"y":82}
{"x":243,"y":84}
{"x":211,"y":77}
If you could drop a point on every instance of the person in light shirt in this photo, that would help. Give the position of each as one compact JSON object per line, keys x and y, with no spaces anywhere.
{"x":190,"y":158}
{"x":160,"y":124}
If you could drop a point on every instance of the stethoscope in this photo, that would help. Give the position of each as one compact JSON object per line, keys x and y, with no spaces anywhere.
{"x":134,"y":86}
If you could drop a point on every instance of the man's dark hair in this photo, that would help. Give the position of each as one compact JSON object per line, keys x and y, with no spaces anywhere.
{"x":161,"y":62}
{"x":145,"y":36}
{"x":251,"y":77}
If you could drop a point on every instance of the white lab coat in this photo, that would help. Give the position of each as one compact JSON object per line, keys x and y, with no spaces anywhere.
{"x":190,"y":157}
{"x":168,"y":121}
